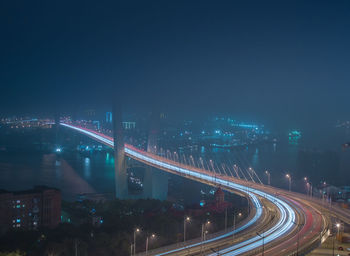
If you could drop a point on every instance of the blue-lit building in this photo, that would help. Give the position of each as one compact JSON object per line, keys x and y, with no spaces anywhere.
{"x":109,"y":117}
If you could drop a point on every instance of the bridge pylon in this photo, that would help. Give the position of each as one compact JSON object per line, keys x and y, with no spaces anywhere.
{"x":155,"y":181}
{"x":121,"y":188}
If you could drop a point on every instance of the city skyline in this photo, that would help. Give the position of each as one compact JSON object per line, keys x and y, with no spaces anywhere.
{"x":281,"y":63}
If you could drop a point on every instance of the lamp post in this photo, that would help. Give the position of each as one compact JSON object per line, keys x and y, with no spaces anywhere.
{"x":234,"y":225}
{"x":186,"y":219}
{"x":268,"y":177}
{"x":333,"y":243}
{"x":290,"y":182}
{"x":205,"y":233}
{"x":225,"y":219}
{"x":300,"y":225}
{"x":151,"y":236}
{"x":338,"y":226}
{"x":137,"y":230}
{"x":192,"y":160}
{"x":263,"y":240}
{"x":203,"y":230}
{"x":176,"y":158}
{"x":212,"y":168}
{"x":307,"y":185}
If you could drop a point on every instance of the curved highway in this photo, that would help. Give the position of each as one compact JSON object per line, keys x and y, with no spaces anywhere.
{"x":278,"y":238}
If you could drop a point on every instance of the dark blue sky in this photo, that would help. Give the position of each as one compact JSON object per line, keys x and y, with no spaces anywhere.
{"x":279,"y":62}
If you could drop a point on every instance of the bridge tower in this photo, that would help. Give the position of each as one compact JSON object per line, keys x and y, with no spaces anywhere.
{"x":155,"y":181}
{"x":121,"y":188}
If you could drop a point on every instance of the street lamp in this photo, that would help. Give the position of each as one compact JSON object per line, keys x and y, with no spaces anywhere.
{"x":212,"y":166}
{"x":151,"y":236}
{"x":175,"y":156}
{"x":234,"y":225}
{"x":203,"y":230}
{"x":203,"y":227}
{"x":268,"y":177}
{"x":263,"y":240}
{"x":186,"y":219}
{"x":309,"y":186}
{"x":290,"y":181}
{"x":338,"y":227}
{"x":192,"y":160}
{"x":137,"y":230}
{"x":299,"y":226}
{"x":205,"y":233}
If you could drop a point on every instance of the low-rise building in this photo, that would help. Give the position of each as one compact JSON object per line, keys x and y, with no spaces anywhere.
{"x":30,"y":209}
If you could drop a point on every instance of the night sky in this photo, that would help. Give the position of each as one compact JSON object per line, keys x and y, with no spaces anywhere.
{"x":284,"y":63}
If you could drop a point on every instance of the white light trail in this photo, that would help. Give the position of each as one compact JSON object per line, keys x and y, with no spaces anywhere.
{"x":282,"y":226}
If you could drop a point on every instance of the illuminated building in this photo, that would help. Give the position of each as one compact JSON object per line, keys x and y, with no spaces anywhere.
{"x":30,"y":209}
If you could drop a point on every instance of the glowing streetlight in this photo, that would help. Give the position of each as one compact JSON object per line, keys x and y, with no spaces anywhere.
{"x":186,"y":219}
{"x":203,"y":230}
{"x":290,"y":181}
{"x":137,"y":230}
{"x":338,"y":227}
{"x":307,"y":185}
{"x":234,"y":224}
{"x":268,"y":177}
{"x":152,"y":237}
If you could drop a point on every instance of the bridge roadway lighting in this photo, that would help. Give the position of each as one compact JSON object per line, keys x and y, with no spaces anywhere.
{"x":290,"y":182}
{"x":268,"y":177}
{"x":212,"y":166}
{"x":175,"y":156}
{"x":152,"y":237}
{"x":192,"y":160}
{"x":186,"y":219}
{"x":137,"y":230}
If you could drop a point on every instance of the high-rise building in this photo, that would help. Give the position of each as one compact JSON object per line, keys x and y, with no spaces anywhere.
{"x":30,"y":209}
{"x":108,"y":117}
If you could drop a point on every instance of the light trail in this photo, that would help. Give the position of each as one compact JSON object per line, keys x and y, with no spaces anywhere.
{"x":284,"y":224}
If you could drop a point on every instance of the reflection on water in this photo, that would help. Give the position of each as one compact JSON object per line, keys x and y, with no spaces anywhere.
{"x":87,"y":169}
{"x":76,"y":173}
{"x":71,"y":172}
{"x":284,"y":157}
